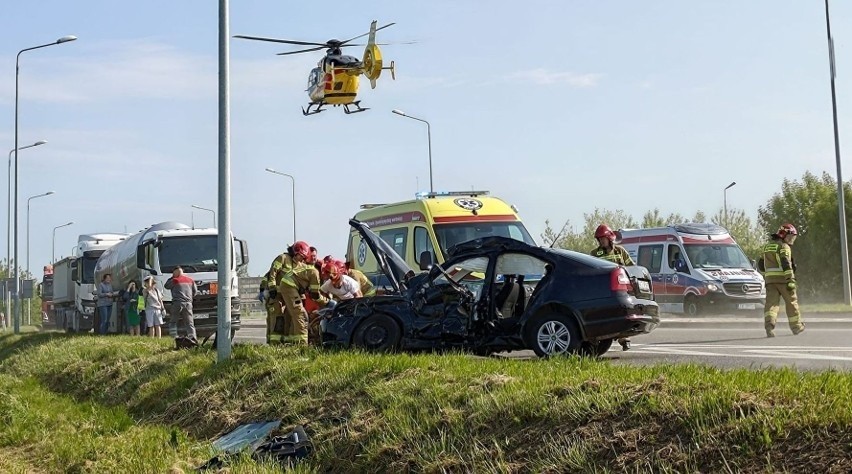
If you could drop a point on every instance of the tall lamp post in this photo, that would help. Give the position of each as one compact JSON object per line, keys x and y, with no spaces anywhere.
{"x":844,"y":247}
{"x":8,"y":293}
{"x":53,"y":249}
{"x":725,"y":200}
{"x":61,"y":40}
{"x":429,"y":135}
{"x":294,"y":196}
{"x":28,"y":242}
{"x":205,"y":209}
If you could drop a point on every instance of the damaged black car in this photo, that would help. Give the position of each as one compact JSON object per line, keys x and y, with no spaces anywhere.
{"x":497,"y":294}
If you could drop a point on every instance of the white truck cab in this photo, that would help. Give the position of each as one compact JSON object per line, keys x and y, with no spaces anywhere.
{"x":696,"y":267}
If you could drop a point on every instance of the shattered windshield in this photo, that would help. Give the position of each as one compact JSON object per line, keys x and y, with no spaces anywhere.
{"x":716,"y":256}
{"x":193,"y":253}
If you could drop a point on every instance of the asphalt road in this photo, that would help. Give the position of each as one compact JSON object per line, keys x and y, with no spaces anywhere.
{"x":721,"y":342}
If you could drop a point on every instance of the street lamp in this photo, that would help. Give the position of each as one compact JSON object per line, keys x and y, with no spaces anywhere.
{"x":841,"y":200}
{"x":61,"y":40}
{"x":28,"y":243}
{"x":205,"y":209}
{"x":53,"y":249}
{"x":8,"y":292}
{"x":429,"y":134}
{"x":294,"y":196}
{"x":725,"y":192}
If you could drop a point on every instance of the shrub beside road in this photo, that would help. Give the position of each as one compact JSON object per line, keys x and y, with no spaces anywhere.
{"x":94,"y":404}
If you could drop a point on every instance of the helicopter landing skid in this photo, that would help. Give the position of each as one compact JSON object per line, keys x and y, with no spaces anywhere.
{"x":357,"y":104}
{"x":317,"y":110}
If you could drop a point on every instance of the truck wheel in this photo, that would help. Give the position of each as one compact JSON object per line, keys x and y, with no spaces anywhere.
{"x":553,"y":334}
{"x":378,"y":333}
{"x":691,"y":306}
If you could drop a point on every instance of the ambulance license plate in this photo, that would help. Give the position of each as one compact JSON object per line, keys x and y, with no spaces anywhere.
{"x":200,"y":316}
{"x":644,"y":286}
{"x":746,"y":306}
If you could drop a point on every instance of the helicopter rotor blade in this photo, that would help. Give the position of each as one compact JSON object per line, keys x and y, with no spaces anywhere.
{"x":276,"y":40}
{"x":367,"y":33}
{"x":380,"y":44}
{"x":302,"y":51}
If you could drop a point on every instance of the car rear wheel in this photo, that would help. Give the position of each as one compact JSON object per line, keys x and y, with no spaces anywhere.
{"x":554,"y":334}
{"x":597,"y":348}
{"x":691,"y":306}
{"x":378,"y":333}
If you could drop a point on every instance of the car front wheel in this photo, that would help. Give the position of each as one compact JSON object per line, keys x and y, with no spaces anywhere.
{"x":378,"y":333}
{"x":554,"y":334}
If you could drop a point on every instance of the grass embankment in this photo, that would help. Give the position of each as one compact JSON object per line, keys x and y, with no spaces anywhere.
{"x":91,"y":404}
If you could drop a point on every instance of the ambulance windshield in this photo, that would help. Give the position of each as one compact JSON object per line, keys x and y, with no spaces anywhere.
{"x":453,"y":234}
{"x":716,"y":256}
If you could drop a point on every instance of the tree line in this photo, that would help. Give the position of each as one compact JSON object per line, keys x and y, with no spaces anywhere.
{"x":809,"y":203}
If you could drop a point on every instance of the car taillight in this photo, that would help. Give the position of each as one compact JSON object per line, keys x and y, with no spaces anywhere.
{"x":619,"y":281}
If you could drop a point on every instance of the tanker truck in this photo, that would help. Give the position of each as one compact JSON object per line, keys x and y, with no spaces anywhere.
{"x":74,"y":282}
{"x":156,"y":251}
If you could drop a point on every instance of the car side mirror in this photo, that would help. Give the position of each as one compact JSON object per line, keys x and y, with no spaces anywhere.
{"x":426,"y":260}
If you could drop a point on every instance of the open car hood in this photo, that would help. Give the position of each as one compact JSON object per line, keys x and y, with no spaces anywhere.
{"x":393,"y":266}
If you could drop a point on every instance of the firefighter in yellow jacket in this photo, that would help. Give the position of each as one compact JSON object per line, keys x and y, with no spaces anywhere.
{"x":297,"y":276}
{"x":281,"y":278}
{"x":781,"y":280}
{"x":608,"y":250}
{"x":306,"y":329}
{"x":273,"y":304}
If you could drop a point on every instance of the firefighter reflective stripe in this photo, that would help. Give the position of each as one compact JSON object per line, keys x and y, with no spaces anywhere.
{"x":284,"y":273}
{"x":618,"y":255}
{"x":307,"y":279}
{"x":777,"y":259}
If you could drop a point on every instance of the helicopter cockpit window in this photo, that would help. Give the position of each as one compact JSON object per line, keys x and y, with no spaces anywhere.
{"x":313,"y":78}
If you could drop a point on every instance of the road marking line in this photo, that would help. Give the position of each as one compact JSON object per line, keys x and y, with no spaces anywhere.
{"x":748,"y":354}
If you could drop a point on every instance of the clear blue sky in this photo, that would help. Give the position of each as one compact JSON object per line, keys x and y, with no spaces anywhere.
{"x":556,"y":106}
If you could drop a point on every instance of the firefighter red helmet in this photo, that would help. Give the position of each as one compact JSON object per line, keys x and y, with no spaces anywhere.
{"x":787,"y":229}
{"x":333,"y":269}
{"x":302,"y":248}
{"x":603,"y":230}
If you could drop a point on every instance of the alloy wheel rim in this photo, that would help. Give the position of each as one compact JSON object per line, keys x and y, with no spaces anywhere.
{"x":554,"y":338}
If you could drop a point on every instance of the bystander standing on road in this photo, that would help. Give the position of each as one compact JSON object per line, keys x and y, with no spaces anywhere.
{"x":105,"y":300}
{"x":154,"y":308}
{"x":131,"y":308}
{"x":183,"y":290}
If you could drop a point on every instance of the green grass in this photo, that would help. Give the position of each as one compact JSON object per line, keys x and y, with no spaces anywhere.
{"x":423,"y":413}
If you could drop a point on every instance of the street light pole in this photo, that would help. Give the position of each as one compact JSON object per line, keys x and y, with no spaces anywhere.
{"x":64,"y":39}
{"x":725,"y":192}
{"x":429,"y":135}
{"x":8,"y":293}
{"x":53,"y":249}
{"x":28,"y":243}
{"x":294,"y":196}
{"x":225,"y":243}
{"x":844,"y":247}
{"x":205,"y":209}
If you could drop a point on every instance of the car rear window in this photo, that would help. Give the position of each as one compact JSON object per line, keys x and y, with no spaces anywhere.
{"x":580,"y":260}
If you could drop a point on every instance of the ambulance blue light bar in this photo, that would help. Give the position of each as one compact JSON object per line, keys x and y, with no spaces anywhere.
{"x":424,"y":194}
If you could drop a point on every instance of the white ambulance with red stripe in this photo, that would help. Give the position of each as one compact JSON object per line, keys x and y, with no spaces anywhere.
{"x":421,"y":230}
{"x":695,"y":268}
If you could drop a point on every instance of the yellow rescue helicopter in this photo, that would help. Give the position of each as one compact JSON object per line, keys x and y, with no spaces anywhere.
{"x":335,"y":79}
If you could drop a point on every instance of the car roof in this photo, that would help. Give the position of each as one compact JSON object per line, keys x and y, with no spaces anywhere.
{"x":497,"y":243}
